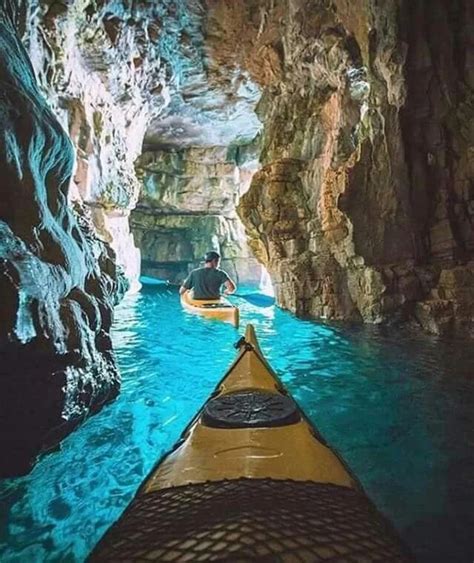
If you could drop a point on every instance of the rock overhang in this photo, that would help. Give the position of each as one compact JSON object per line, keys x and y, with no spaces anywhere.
{"x":210,"y":103}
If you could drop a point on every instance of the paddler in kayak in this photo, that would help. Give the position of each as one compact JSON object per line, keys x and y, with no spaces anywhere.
{"x":206,"y":282}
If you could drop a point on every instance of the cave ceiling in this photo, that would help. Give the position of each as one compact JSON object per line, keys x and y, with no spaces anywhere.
{"x":207,"y":103}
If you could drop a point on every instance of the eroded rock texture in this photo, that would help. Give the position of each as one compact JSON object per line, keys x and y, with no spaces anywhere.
{"x":438,"y":127}
{"x":363,"y":207}
{"x":187,"y":207}
{"x":58,"y":282}
{"x":116,"y":70}
{"x":98,"y":63}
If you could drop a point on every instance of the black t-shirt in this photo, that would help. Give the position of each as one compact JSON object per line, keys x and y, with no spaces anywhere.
{"x":206,"y":282}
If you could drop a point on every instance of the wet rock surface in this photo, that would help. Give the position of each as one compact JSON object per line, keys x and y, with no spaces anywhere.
{"x":374,"y":101}
{"x":363,"y":202}
{"x":100,"y":69}
{"x":58,"y":282}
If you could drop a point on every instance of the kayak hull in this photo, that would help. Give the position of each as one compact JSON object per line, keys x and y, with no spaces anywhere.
{"x":249,"y":482}
{"x":219,"y":309}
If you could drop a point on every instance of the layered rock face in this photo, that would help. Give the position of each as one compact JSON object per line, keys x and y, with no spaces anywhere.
{"x":187,"y":207}
{"x":58,"y":282}
{"x":363,"y":207}
{"x":108,"y":69}
{"x":438,"y":129}
{"x":113,"y":71}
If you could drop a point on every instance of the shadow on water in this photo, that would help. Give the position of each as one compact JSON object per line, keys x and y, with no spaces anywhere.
{"x":397,"y":406}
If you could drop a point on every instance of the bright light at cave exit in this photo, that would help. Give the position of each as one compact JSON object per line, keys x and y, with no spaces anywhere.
{"x":265,"y":284}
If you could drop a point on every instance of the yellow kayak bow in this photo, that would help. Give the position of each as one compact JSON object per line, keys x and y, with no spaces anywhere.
{"x":251,"y":480}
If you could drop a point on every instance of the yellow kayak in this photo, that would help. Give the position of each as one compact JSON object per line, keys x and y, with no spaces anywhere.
{"x":251,"y":480}
{"x":220,"y":309}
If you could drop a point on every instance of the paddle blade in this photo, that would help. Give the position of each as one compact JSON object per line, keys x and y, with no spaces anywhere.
{"x":147,"y":280}
{"x":257,"y":299}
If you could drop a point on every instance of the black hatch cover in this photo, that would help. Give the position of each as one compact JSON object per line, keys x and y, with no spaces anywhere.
{"x":250,"y":409}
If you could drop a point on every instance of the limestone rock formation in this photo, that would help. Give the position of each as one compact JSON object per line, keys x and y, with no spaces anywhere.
{"x":438,"y":126}
{"x":108,"y":69}
{"x":449,"y":308}
{"x":373,"y":99}
{"x":187,"y":207}
{"x":198,"y":158}
{"x":58,"y":282}
{"x":112,"y":72}
{"x":98,"y":64}
{"x":363,"y":206}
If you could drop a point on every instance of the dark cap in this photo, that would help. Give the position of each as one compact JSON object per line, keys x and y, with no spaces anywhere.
{"x":210,"y":256}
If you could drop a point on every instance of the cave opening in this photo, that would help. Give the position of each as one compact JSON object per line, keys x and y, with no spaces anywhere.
{"x":199,"y":154}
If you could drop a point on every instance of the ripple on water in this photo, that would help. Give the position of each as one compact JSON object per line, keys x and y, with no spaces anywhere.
{"x":397,"y":406}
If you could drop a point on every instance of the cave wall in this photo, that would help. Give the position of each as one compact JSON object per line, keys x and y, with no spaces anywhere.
{"x":107,"y":70}
{"x":118,"y":74}
{"x":363,"y":206}
{"x":100,"y":66}
{"x":187,"y":207}
{"x":438,"y":131}
{"x":58,"y":281}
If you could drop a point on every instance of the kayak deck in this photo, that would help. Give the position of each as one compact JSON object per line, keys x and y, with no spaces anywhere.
{"x":220,"y":309}
{"x":252,"y":520}
{"x":251,"y":480}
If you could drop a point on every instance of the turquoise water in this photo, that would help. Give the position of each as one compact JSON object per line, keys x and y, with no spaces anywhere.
{"x":397,"y":405}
